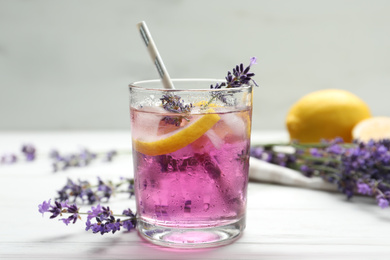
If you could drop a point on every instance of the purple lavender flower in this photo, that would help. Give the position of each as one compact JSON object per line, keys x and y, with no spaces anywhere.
{"x":131,"y":222}
{"x":62,"y":162}
{"x":382,"y":149}
{"x":170,"y":120}
{"x":72,"y":189}
{"x":58,"y":208}
{"x":363,"y":188}
{"x":44,"y":207}
{"x":241,"y":76}
{"x":281,"y":159}
{"x":257,"y":152}
{"x":175,"y":104}
{"x":74,"y":214}
{"x":29,"y":152}
{"x":84,"y":191}
{"x":266,"y":154}
{"x":85,"y":157}
{"x":382,"y":202}
{"x":55,"y":209}
{"x":110,"y":155}
{"x":105,"y":189}
{"x":95,"y":211}
{"x":54,"y":154}
{"x":358,"y":167}
{"x":66,"y":221}
{"x":315,"y":152}
{"x":81,"y":190}
{"x":106,"y":222}
{"x":218,"y":85}
{"x":306,"y":170}
{"x":104,"y":217}
{"x":130,"y":187}
{"x":8,"y":159}
{"x":253,"y":61}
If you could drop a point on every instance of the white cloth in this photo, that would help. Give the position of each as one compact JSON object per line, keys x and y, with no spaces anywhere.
{"x":266,"y":172}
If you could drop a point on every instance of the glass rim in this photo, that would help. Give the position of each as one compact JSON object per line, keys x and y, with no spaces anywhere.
{"x":134,"y":85}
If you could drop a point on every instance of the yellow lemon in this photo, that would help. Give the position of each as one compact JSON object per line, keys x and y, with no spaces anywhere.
{"x":179,"y":138}
{"x":375,"y":128}
{"x":325,"y":114}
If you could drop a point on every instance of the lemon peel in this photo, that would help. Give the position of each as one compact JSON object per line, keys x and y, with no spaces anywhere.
{"x":178,"y":139}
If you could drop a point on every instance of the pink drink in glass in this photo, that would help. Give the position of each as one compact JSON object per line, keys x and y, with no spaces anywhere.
{"x":194,"y":196}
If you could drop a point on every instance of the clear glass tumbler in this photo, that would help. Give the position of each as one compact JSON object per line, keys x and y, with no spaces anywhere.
{"x":191,"y":160}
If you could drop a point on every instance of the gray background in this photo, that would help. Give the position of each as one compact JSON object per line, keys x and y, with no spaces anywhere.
{"x":65,"y":65}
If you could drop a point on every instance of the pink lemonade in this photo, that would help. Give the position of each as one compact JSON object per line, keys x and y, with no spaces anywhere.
{"x":200,"y":185}
{"x":191,"y":160}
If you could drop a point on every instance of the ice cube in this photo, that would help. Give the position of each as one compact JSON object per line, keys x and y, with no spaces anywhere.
{"x":214,"y":138}
{"x":235,"y":123}
{"x":146,"y":122}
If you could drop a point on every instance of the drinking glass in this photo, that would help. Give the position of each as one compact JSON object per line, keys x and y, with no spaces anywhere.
{"x":191,"y":161}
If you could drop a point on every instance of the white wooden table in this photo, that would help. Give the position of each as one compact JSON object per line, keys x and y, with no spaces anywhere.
{"x":282,"y":222}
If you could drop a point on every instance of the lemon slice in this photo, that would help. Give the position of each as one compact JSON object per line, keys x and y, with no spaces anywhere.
{"x":375,"y":128}
{"x":178,"y":139}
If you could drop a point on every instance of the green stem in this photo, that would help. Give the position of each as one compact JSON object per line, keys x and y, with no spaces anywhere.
{"x":270,"y":146}
{"x":208,"y":103}
{"x":326,"y":169}
{"x":86,"y":213}
{"x":384,"y":167}
{"x":309,"y":145}
{"x":319,"y":159}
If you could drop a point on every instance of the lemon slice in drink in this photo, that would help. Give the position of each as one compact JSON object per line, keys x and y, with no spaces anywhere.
{"x":177,"y":139}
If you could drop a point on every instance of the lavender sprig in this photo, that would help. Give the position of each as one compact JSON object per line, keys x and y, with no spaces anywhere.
{"x":60,"y":161}
{"x":175,"y":104}
{"x":63,"y":162}
{"x":85,"y":157}
{"x":239,"y":77}
{"x":356,"y":168}
{"x":8,"y":158}
{"x":85,"y":192}
{"x":100,"y":219}
{"x":28,"y":152}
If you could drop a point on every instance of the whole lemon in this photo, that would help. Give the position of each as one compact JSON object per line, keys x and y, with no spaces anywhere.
{"x":325,"y":114}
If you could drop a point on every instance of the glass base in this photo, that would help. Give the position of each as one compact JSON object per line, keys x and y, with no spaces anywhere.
{"x":191,"y":237}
